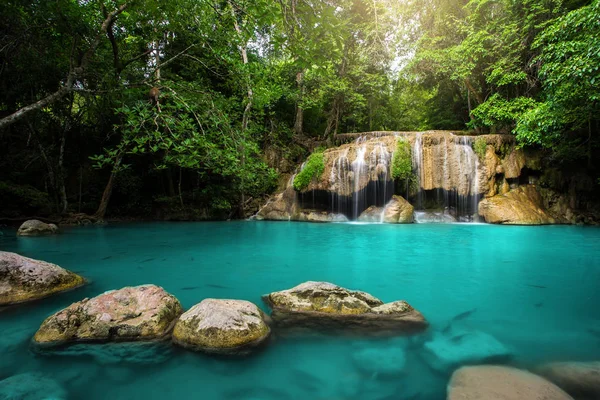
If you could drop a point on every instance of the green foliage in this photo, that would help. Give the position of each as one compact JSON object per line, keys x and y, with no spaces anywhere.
{"x":498,"y":113}
{"x":313,"y":169}
{"x":402,"y":160}
{"x":480,"y":147}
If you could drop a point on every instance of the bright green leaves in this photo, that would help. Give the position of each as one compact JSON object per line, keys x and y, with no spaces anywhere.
{"x":499,"y":113}
{"x":313,"y":169}
{"x":402,"y":160}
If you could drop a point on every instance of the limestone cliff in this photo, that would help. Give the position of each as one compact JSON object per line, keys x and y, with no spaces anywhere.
{"x":450,"y":172}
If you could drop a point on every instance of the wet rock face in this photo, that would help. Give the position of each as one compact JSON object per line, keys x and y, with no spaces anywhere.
{"x":34,"y":227}
{"x":25,"y":279}
{"x":501,"y":383}
{"x":579,"y":379}
{"x":144,"y":312}
{"x":520,"y":206}
{"x":222,"y":326}
{"x":280,"y":208}
{"x":325,"y":306}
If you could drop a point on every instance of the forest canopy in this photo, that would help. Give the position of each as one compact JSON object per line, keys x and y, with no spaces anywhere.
{"x":192,"y":106}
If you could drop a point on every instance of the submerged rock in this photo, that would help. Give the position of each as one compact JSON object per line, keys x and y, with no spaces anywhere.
{"x":31,"y":386}
{"x":501,"y":383}
{"x":25,"y":279}
{"x":380,"y":361}
{"x":33,"y":227}
{"x":325,"y":306}
{"x":144,"y":312}
{"x":398,"y":211}
{"x":520,"y":206}
{"x":222,"y":326}
{"x":446,"y":352}
{"x":579,"y":379}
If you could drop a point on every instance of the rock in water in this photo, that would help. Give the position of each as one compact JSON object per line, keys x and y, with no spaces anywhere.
{"x":371,"y":214}
{"x":222,"y":326}
{"x":447,"y":352}
{"x":521,"y":206}
{"x":144,"y":312}
{"x":31,"y":386}
{"x":25,"y":279}
{"x":579,"y":379}
{"x":398,"y":211}
{"x":33,"y":227}
{"x":325,"y":306}
{"x":378,"y":361}
{"x":501,"y":383}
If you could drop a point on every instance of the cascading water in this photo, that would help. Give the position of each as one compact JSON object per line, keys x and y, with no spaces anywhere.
{"x":359,"y":167}
{"x":446,"y":170}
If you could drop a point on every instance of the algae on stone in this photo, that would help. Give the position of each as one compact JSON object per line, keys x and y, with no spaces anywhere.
{"x":24,"y":279}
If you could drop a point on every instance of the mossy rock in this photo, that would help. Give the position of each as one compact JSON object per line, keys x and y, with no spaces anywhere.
{"x":24,"y":279}
{"x":138,"y":313}
{"x":222,"y":327}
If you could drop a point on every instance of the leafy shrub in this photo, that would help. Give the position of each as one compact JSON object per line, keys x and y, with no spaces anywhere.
{"x":402,"y":160}
{"x":314,"y":167}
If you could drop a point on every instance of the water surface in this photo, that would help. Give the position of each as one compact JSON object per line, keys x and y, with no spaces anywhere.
{"x":535,"y":289}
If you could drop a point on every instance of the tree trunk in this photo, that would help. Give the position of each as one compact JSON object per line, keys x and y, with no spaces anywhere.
{"x":101,"y":212}
{"x":61,"y":173}
{"x":299,"y":122}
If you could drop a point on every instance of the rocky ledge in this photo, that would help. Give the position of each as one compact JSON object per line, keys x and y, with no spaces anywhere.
{"x":520,"y":206}
{"x":501,"y":383}
{"x":144,"y":312}
{"x":325,"y":306}
{"x":222,"y":327}
{"x":33,"y":227}
{"x":25,"y":279}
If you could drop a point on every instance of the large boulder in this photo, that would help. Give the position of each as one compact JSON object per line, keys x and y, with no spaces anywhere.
{"x":33,"y":227}
{"x":25,"y":279}
{"x":447,"y":351}
{"x":325,"y":306}
{"x":520,"y":206}
{"x":579,"y":379}
{"x":279,"y":208}
{"x":398,"y":211}
{"x":501,"y":383}
{"x":222,"y":326}
{"x":320,"y":216}
{"x":144,"y":312}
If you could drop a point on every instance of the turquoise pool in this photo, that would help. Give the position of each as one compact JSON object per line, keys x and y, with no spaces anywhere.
{"x":534,"y":289}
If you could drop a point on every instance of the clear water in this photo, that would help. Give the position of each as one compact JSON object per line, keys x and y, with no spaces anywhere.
{"x":535,"y":289}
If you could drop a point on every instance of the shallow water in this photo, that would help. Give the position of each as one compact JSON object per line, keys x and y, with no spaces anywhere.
{"x":535,"y":289}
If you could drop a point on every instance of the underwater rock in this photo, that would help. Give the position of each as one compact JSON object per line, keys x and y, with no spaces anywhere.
{"x":501,"y":383}
{"x":520,"y":206}
{"x":398,"y":211}
{"x":448,"y":351}
{"x":144,"y":312}
{"x":33,"y":227}
{"x":371,"y":214}
{"x":31,"y":386}
{"x":25,"y":279}
{"x":325,"y":306}
{"x":114,"y":353}
{"x":380,"y":361}
{"x":579,"y":379}
{"x":222,"y":326}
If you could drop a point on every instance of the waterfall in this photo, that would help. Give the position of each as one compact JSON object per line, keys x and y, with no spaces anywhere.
{"x":359,"y":167}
